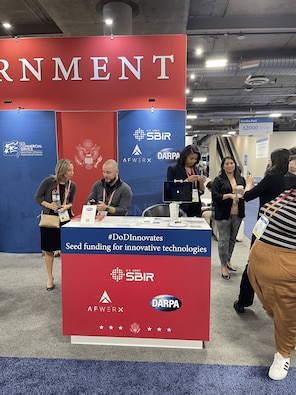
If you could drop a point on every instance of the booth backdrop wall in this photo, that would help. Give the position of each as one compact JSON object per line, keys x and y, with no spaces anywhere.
{"x":84,"y":74}
{"x":29,"y":154}
{"x":88,"y":139}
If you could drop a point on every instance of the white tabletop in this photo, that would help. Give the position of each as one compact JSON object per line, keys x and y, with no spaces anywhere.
{"x":143,"y":222}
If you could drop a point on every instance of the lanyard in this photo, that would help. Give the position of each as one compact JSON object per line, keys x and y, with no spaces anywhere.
{"x":190,"y":174}
{"x":278,"y":201}
{"x":67,"y":190}
{"x":110,"y":198}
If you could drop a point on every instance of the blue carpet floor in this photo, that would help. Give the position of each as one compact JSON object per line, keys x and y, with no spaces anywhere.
{"x":34,"y":376}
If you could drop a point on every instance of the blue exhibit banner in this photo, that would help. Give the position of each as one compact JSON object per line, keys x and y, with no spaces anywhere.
{"x":148,"y":142}
{"x":29,"y":154}
{"x":139,"y":241}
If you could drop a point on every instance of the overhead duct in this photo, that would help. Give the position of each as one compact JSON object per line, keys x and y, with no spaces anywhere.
{"x":256,"y":80}
{"x":261,"y":68}
{"x":121,"y":12}
{"x":240,"y":114}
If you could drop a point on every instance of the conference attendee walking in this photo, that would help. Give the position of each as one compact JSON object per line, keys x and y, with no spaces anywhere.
{"x":272,"y":270}
{"x":229,"y":206}
{"x":187,"y":170}
{"x":111,"y":194}
{"x":56,"y":195}
{"x":272,"y":184}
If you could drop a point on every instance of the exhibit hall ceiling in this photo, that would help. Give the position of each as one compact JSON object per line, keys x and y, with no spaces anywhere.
{"x":255,"y":39}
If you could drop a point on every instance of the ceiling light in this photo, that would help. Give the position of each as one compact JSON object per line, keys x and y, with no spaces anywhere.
{"x":199,"y":100}
{"x":211,"y":63}
{"x":188,"y":126}
{"x":275,"y":115}
{"x":199,"y":51}
{"x":192,"y":76}
{"x":216,"y":120}
{"x":187,"y":91}
{"x":249,"y":64}
{"x":232,"y":132}
{"x":191,"y":116}
{"x":241,"y":37}
{"x":109,"y":21}
{"x":6,"y":25}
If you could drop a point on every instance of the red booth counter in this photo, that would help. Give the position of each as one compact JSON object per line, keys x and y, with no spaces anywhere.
{"x":137,"y":281}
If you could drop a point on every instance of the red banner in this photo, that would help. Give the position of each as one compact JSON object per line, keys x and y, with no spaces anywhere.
{"x":93,"y":73}
{"x":88,"y":139}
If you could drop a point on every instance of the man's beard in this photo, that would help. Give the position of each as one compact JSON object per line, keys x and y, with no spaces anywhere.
{"x":111,"y":182}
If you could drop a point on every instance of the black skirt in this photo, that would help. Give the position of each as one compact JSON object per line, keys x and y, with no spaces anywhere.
{"x":50,"y":239}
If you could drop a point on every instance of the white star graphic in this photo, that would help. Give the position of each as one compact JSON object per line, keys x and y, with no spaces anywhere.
{"x":111,"y":327}
{"x":101,"y":327}
{"x":158,"y":329}
{"x":169,"y":329}
{"x":120,"y":328}
{"x":149,"y":329}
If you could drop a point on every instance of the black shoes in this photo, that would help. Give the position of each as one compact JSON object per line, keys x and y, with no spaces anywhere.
{"x":50,"y":288}
{"x":231,"y":268}
{"x":225,"y":276}
{"x":239,"y":309}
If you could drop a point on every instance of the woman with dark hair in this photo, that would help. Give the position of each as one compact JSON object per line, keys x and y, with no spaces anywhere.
{"x":229,"y":210}
{"x":272,"y":269}
{"x":268,"y":188}
{"x":186,"y":169}
{"x":56,"y":195}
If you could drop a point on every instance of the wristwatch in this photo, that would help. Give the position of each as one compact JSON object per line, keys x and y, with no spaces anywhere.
{"x":107,"y":209}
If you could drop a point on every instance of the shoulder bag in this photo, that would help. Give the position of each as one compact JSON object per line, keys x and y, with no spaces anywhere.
{"x":49,"y":221}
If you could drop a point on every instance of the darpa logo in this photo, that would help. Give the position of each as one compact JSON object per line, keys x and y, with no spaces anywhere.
{"x":168,"y":155}
{"x":165,"y":303}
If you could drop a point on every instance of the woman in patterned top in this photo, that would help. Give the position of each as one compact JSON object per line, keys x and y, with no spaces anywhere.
{"x":272,"y":269}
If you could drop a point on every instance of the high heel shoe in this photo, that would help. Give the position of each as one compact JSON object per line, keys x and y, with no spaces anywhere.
{"x":52,"y":287}
{"x":225,"y":276}
{"x":231,"y":268}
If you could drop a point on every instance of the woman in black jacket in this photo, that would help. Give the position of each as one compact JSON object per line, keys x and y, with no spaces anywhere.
{"x":186,"y":169}
{"x":229,"y":210}
{"x":267,"y":189}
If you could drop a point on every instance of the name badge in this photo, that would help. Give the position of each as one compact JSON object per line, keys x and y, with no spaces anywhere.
{"x":64,"y":217}
{"x":260,"y":226}
{"x":195,"y":196}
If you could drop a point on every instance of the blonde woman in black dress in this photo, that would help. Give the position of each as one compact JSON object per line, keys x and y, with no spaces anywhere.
{"x":60,"y":186}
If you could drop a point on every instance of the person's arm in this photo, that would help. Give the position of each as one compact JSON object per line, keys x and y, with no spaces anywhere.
{"x":216,"y":192}
{"x":70,"y":199}
{"x":257,"y":190}
{"x":124,"y":202}
{"x":43,"y":195}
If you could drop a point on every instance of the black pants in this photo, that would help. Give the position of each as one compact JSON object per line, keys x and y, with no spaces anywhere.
{"x":246,"y":295}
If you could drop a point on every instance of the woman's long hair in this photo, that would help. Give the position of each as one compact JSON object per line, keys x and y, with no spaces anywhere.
{"x":279,"y":161}
{"x":236,"y":169}
{"x":189,"y":149}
